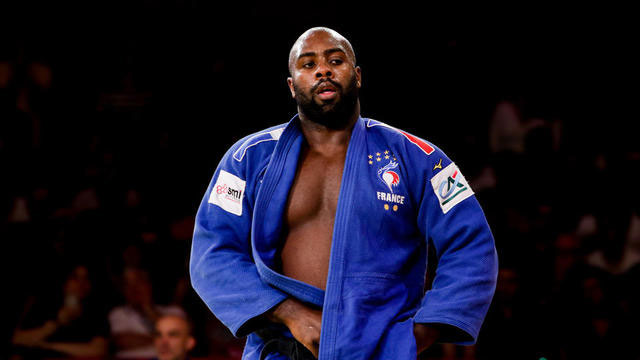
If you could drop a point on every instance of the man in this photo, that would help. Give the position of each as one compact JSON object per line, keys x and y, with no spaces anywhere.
{"x":173,"y":339}
{"x":132,"y":323}
{"x":315,"y":232}
{"x":69,"y":326}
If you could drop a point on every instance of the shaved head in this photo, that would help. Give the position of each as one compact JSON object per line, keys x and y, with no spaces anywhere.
{"x":340,"y":41}
{"x":324,"y":78}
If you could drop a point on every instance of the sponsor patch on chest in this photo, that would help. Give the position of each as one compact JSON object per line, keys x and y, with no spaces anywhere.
{"x":450,"y":187}
{"x":228,"y":193}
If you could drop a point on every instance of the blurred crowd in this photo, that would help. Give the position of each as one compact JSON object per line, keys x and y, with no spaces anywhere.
{"x":95,"y":259}
{"x":96,"y":247}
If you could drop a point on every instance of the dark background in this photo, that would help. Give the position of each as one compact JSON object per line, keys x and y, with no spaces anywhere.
{"x":143,"y":99}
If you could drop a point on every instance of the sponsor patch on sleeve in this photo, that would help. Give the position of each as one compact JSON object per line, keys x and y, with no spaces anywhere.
{"x":450,"y":187}
{"x":228,"y":193}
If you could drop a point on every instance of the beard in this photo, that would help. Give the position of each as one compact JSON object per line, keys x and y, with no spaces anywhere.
{"x":333,"y":114}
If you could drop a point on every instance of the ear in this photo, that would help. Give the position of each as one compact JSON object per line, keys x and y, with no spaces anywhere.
{"x":191,"y":343}
{"x":291,"y":89}
{"x":359,"y":77}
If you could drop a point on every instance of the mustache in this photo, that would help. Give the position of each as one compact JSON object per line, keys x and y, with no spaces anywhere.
{"x":317,"y":85}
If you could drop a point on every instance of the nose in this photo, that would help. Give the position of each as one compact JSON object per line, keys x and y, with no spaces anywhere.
{"x":163,"y":342}
{"x":323,"y":71}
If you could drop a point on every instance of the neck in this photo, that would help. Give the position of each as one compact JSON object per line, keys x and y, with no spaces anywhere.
{"x":323,"y":138}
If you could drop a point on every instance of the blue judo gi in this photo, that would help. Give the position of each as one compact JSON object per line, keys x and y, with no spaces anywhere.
{"x":398,"y":195}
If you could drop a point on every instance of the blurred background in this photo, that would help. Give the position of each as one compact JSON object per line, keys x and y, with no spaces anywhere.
{"x":112,"y":124}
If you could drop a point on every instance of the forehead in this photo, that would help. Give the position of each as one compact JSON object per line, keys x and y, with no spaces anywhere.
{"x":80,"y":271}
{"x":134,"y":276}
{"x":171,"y":323}
{"x":319,"y":40}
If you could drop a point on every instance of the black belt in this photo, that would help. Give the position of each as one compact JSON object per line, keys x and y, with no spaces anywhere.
{"x":275,"y":342}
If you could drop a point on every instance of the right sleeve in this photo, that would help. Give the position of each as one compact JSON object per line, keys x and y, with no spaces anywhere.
{"x":221,"y":267}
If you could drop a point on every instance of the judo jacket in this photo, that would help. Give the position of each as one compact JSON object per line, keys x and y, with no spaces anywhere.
{"x":399,"y":194}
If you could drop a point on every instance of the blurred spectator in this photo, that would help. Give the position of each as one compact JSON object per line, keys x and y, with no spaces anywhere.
{"x":589,"y":323}
{"x":69,"y":325}
{"x":510,"y":329}
{"x":566,"y":258}
{"x":506,"y":132}
{"x":19,"y":212}
{"x":173,"y":338}
{"x":126,"y":97}
{"x":592,"y":302}
{"x":453,"y":352}
{"x":6,"y":73}
{"x":132,"y":324}
{"x":615,"y":254}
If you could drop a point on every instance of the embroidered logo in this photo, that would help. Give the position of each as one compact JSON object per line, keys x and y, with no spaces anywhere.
{"x":438,"y":165}
{"x":389,"y":176}
{"x":228,"y":193}
{"x":450,"y":187}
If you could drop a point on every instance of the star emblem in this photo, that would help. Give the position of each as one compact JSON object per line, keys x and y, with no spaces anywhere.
{"x":370,"y":162}
{"x":370,"y":157}
{"x":378,"y":159}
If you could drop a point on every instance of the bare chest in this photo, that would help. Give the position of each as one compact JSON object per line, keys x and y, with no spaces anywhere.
{"x":310,"y":214}
{"x":316,"y":188}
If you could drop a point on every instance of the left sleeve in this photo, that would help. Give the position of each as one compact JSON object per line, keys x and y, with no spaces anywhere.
{"x":453,"y":222}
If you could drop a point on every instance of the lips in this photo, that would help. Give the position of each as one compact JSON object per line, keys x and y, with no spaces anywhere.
{"x":326,"y":91}
{"x":326,"y":87}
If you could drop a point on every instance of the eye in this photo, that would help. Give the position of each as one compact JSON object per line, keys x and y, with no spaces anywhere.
{"x":336,"y":61}
{"x":308,"y":65}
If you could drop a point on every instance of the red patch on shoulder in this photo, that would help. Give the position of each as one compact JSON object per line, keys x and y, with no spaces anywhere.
{"x":428,"y":149}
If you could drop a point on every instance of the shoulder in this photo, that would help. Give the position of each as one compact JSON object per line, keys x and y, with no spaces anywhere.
{"x":261,"y":142}
{"x":123,"y":312}
{"x":241,"y":166}
{"x":119,"y":313}
{"x":393,"y":133}
{"x":428,"y":162}
{"x":422,"y":154}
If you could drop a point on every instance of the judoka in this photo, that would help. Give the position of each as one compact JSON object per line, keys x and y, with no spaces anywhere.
{"x":311,"y":238}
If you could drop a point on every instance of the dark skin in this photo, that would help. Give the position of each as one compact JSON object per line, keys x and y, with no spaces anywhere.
{"x":319,"y":55}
